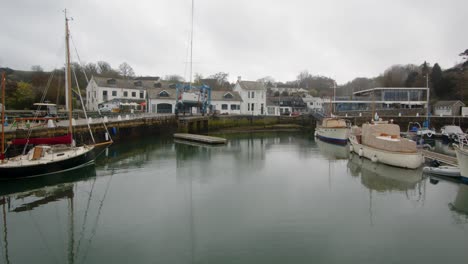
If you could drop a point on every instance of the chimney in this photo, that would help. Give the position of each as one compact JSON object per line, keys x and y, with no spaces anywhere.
{"x":239,"y":78}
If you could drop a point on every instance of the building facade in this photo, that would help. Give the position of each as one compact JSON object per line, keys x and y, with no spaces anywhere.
{"x":448,"y":108}
{"x":101,"y":90}
{"x":253,"y":96}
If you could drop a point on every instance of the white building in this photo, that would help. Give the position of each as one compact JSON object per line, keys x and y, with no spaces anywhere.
{"x":163,"y":100}
{"x":226,"y":102}
{"x":101,"y":90}
{"x":314,"y":103}
{"x":253,"y":96}
{"x":289,"y":90}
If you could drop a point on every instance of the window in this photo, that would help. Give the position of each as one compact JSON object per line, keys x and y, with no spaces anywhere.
{"x":248,"y":94}
{"x":228,"y":96}
{"x":142,"y":94}
{"x":253,"y":94}
{"x":104,"y":93}
{"x":163,"y":94}
{"x":133,"y":94}
{"x":248,"y":106}
{"x":125,"y":94}
{"x":224,"y":107}
{"x":252,"y":107}
{"x":114,"y":93}
{"x":234,"y":107}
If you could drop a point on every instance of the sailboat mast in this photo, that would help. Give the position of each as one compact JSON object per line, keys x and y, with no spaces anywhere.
{"x":68,"y":76}
{"x":3,"y":117}
{"x":191,"y":46}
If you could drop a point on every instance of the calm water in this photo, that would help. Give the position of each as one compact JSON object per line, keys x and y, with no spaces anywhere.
{"x":274,"y":198}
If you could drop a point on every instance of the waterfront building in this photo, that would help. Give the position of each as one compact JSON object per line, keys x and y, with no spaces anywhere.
{"x":314,"y":104}
{"x":448,"y":108}
{"x":285,"y":105}
{"x":226,"y":102}
{"x":163,"y":101}
{"x":253,"y":96}
{"x":384,"y":98}
{"x":101,"y":90}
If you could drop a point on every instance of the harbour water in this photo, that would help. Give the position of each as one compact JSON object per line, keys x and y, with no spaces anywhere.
{"x":262,"y":198}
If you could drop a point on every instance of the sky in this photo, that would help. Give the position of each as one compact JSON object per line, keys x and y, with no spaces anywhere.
{"x":340,"y":39}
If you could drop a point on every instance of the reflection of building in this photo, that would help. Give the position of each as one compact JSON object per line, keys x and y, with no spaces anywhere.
{"x":384,"y":98}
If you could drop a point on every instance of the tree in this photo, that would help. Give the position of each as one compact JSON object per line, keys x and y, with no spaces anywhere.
{"x":197,"y":78}
{"x":103,"y":67}
{"x":22,"y":97}
{"x":126,"y":70}
{"x":37,"y":68}
{"x":436,"y":77}
{"x":173,"y":78}
{"x":91,"y":69}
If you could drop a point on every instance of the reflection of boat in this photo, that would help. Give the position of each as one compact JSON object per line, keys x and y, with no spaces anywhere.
{"x":448,"y":171}
{"x":333,"y":130}
{"x":462,"y":158}
{"x":460,"y":204}
{"x":381,"y":177}
{"x":333,"y":151}
{"x":49,"y":156}
{"x":381,"y":142}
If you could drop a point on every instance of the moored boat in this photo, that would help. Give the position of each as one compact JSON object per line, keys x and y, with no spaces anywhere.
{"x":462,"y":158}
{"x":447,"y":171}
{"x":48,"y":155}
{"x":381,"y":142}
{"x":333,"y":130}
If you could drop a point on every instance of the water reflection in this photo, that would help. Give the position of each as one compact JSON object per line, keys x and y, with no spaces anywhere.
{"x":333,"y":151}
{"x":381,"y":177}
{"x":460,"y":205}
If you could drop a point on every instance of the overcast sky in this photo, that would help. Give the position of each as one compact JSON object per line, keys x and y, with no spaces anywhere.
{"x":342,"y":39}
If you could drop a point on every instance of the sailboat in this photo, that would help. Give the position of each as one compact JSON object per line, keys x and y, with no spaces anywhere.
{"x":49,"y":155}
{"x":333,"y":129}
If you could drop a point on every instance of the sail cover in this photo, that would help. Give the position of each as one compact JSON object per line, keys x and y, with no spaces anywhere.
{"x":67,"y":139}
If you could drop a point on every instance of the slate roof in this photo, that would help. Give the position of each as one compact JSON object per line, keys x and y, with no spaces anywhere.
{"x":448,"y":103}
{"x":129,"y":83}
{"x":250,"y":85}
{"x":155,"y":93}
{"x":219,"y":96}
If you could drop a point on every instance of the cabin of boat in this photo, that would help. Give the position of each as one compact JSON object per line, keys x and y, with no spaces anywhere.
{"x":383,"y":136}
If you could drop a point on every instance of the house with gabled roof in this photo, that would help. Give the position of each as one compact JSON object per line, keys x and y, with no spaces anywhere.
{"x":102,"y":89}
{"x":448,"y":108}
{"x":162,"y":100}
{"x":226,"y":102}
{"x":253,"y":96}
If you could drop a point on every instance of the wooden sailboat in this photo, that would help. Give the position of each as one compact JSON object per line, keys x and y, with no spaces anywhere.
{"x":49,"y":156}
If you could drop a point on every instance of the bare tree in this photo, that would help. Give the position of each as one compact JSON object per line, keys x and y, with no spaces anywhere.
{"x":103,"y":67}
{"x":126,"y":70}
{"x":173,"y":78}
{"x":37,"y":68}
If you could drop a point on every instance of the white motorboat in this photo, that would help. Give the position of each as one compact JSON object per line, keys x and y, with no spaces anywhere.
{"x":381,"y":142}
{"x":447,"y":171}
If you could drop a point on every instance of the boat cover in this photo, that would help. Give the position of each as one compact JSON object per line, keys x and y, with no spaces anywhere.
{"x":386,"y":137}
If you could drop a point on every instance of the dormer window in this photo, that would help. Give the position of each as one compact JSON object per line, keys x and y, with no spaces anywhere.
{"x":111,"y":81}
{"x":138,"y":83}
{"x":228,"y":96}
{"x":163,"y":94}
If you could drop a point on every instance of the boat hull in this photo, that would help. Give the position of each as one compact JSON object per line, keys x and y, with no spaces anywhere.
{"x":462,"y":158}
{"x":24,"y":171}
{"x":333,"y":135}
{"x":397,"y":159}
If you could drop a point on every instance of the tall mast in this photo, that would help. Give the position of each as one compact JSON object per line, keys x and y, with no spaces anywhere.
{"x":427,"y":95}
{"x":3,"y":117}
{"x":68,"y":89}
{"x":334,"y":96}
{"x":191,"y":46}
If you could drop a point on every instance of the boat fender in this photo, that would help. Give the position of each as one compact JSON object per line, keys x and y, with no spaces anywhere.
{"x":351,"y":149}
{"x":374,"y":158}
{"x":360,"y":152}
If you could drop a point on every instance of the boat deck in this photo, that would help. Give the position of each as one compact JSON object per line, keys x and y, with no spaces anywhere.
{"x":439,"y":157}
{"x":200,"y":138}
